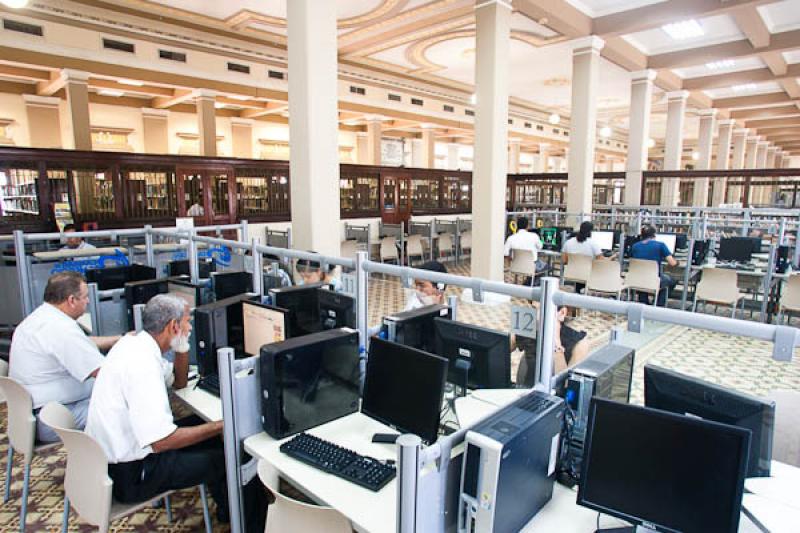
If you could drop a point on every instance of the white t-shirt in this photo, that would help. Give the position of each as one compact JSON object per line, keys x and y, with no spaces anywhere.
{"x":524,"y":240}
{"x":82,"y":246}
{"x":130,"y":409}
{"x":52,"y":357}
{"x":588,"y":247}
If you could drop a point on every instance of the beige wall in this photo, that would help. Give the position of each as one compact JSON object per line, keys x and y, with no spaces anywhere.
{"x":12,"y":106}
{"x":119,"y":117}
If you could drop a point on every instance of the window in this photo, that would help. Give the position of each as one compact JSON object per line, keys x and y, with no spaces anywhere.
{"x":150,"y":193}
{"x":94,"y":194}
{"x":22,"y":27}
{"x":262,"y":192}
{"x":236,"y":67}
{"x":172,"y":56}
{"x":469,"y":112}
{"x":425,"y":193}
{"x":119,"y":46}
{"x":457,"y":193}
{"x":528,"y":125}
{"x":358,"y":194}
{"x":510,"y":122}
{"x":276,"y":74}
{"x":448,"y":108}
{"x":416,"y":101}
{"x":18,"y":196}
{"x":395,"y":97}
{"x":357,"y":90}
{"x":539,"y":127}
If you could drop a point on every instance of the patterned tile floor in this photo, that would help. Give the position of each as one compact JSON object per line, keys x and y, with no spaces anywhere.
{"x":738,"y":362}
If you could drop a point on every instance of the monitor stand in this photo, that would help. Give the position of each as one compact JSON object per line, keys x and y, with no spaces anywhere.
{"x":626,"y":529}
{"x":463,"y":366}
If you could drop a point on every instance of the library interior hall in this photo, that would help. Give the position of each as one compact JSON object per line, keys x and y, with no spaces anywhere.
{"x":400,"y":266}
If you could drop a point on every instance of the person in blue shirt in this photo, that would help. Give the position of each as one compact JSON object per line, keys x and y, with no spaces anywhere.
{"x":652,"y":250}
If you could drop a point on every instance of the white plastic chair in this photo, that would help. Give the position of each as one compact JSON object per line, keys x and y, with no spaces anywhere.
{"x":349,"y":248}
{"x":445,"y":245}
{"x":643,"y":276}
{"x":720,"y":287}
{"x":523,"y":263}
{"x":21,"y":438}
{"x":87,"y":487}
{"x":465,"y":241}
{"x":389,"y":250}
{"x":287,"y":514}
{"x":604,"y":278}
{"x":790,"y":298}
{"x":414,"y":248}
{"x":578,"y":268}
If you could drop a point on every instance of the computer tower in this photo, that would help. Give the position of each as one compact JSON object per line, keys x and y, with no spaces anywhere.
{"x":212,"y":330}
{"x":509,"y":465}
{"x":606,"y":373}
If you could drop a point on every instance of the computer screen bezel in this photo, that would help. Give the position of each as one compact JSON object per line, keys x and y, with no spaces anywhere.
{"x":636,"y":520}
{"x":100,"y":275}
{"x":296,"y":327}
{"x":237,"y":275}
{"x":198,"y":290}
{"x":740,"y":241}
{"x":286,"y":323}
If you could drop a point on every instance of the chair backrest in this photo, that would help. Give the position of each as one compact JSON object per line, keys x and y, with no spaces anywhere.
{"x":57,"y":416}
{"x":349,"y":249}
{"x":791,"y":293}
{"x":522,"y":262}
{"x":604,"y":276}
{"x":287,"y":514}
{"x":414,"y":246}
{"x":643,"y":274}
{"x":86,"y":481}
{"x":445,"y":242}
{"x":388,"y":248}
{"x":21,"y":422}
{"x":578,"y":267}
{"x":466,"y":240}
{"x":718,"y":284}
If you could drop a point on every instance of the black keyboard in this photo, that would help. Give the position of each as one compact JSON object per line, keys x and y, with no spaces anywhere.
{"x":359,"y":469}
{"x":210,"y":384}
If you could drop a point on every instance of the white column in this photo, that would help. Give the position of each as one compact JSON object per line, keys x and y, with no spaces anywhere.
{"x":673,"y":146}
{"x":374,"y":140}
{"x":206,"y":122}
{"x":513,"y":155}
{"x":761,"y":154}
{"x":76,"y":88}
{"x":708,"y":120}
{"x":739,"y":148}
{"x":313,"y":125}
{"x":772,"y":151}
{"x":453,"y":162}
{"x":609,"y":165}
{"x":544,"y":157}
{"x":751,"y":151}
{"x":638,"y":133}
{"x":772,"y":158}
{"x":362,"y":148}
{"x":492,"y":43}
{"x":583,"y":123}
{"x":428,"y":146}
{"x":723,"y":154}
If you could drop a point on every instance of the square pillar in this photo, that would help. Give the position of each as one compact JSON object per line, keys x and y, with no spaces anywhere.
{"x":155,"y":131}
{"x":673,"y":146}
{"x":44,"y":121}
{"x":638,"y":133}
{"x":723,"y":155}
{"x":428,"y":145}
{"x":513,"y":155}
{"x":751,"y":151}
{"x":453,"y":162}
{"x":705,"y":139}
{"x":242,"y":137}
{"x":583,"y":123}
{"x":761,"y":154}
{"x":374,"y":133}
{"x":206,"y":122}
{"x":77,"y":89}
{"x":362,"y":155}
{"x":544,"y":158}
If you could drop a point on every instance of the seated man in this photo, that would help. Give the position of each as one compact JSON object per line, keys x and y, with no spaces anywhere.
{"x":74,"y":243}
{"x":649,"y":248}
{"x":525,"y":240}
{"x":426,"y":292}
{"x":130,"y":415}
{"x":52,"y":357}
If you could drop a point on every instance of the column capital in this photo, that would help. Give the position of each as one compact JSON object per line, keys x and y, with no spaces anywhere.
{"x":677,"y":95}
{"x":205,"y":93}
{"x":484,"y":3}
{"x":238,"y":121}
{"x":155,"y":113}
{"x":586,"y":45}
{"x":374,"y":118}
{"x":753,"y":138}
{"x":707,"y":113}
{"x":74,"y":76}
{"x":728,"y":122}
{"x":514,"y":140}
{"x":742,"y":132}
{"x":361,"y":134}
{"x":641,"y":76}
{"x":41,"y":101}
{"x":763,"y":144}
{"x":773,"y":149}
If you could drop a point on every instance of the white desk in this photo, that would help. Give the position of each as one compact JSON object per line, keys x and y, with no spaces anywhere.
{"x":76,"y":254}
{"x":367,"y":510}
{"x":205,"y":405}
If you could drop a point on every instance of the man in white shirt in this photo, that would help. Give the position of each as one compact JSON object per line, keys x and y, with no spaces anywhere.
{"x":52,"y":357}
{"x":425,"y":292}
{"x":130,"y":416}
{"x":75,"y":243}
{"x":523,"y":240}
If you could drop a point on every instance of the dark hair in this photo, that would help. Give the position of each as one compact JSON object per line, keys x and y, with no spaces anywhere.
{"x":648,"y":232}
{"x":61,"y":286}
{"x":311,"y":264}
{"x":69,"y":227}
{"x":585,"y":231}
{"x":434,"y":266}
{"x":522,"y":223}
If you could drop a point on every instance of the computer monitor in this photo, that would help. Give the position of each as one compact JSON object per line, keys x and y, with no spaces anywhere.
{"x":140,"y":292}
{"x":550,"y":237}
{"x":782,"y":259}
{"x":670,"y":239}
{"x":484,"y":355}
{"x":735,"y":249}
{"x":217,"y":325}
{"x":630,"y":240}
{"x":681,"y":241}
{"x":109,"y":278}
{"x":756,"y":244}
{"x":404,"y":387}
{"x":262,"y":324}
{"x":227,"y":284}
{"x":336,"y":310}
{"x":181,"y":268}
{"x":415,"y":327}
{"x":664,"y":471}
{"x":699,"y":252}
{"x":605,"y":239}
{"x":678,"y":393}
{"x":302,"y":301}
{"x":186,"y":291}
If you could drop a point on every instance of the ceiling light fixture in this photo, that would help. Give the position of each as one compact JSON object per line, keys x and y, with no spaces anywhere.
{"x":721,"y":64}
{"x":473,"y":99}
{"x":15,"y":3}
{"x":605,"y":132}
{"x":686,"y":29}
{"x":554,"y":119}
{"x":651,"y":143}
{"x":110,"y":92}
{"x":240,"y":97}
{"x":132,"y":83}
{"x":745,"y":87}
{"x":695,"y":156}
{"x":218,"y":105}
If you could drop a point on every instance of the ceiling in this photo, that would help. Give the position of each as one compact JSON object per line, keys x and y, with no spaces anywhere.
{"x":743,"y":60}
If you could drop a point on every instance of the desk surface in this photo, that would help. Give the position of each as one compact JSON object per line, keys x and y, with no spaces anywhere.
{"x":85,"y":252}
{"x":205,"y":405}
{"x":367,"y":510}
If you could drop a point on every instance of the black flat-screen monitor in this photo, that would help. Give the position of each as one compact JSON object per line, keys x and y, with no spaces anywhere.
{"x":302,"y":301}
{"x":630,"y":240}
{"x":110,"y":277}
{"x":699,"y":252}
{"x":484,"y":354}
{"x":336,"y":310}
{"x":227,"y":284}
{"x":181,"y":268}
{"x":404,"y":387}
{"x":140,"y":292}
{"x":756,"y":244}
{"x":308,"y":381}
{"x":415,"y":327}
{"x":735,"y":249}
{"x":678,"y":393}
{"x":188,"y":292}
{"x":668,"y":472}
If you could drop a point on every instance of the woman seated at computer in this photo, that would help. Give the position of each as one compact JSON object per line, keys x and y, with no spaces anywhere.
{"x":581,"y":244}
{"x":571,"y":347}
{"x":312,"y":272}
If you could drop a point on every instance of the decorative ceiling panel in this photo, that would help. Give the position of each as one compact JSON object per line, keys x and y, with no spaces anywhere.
{"x":716,"y":30}
{"x":599,"y":8}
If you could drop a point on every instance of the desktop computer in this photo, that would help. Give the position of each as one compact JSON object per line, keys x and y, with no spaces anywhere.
{"x":217,"y":325}
{"x":336,"y":310}
{"x":509,"y":464}
{"x":479,"y":358}
{"x":671,"y":391}
{"x":188,"y":292}
{"x":116,"y":277}
{"x":782,"y":259}
{"x":140,"y":292}
{"x":606,"y":373}
{"x":669,"y":239}
{"x":550,"y":238}
{"x":699,"y":252}
{"x":404,"y":388}
{"x":262,"y":324}
{"x":181,"y":268}
{"x":308,"y":381}
{"x":738,"y":249}
{"x":227,"y":284}
{"x":302,"y":302}
{"x":662,"y":471}
{"x":415,"y":327}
